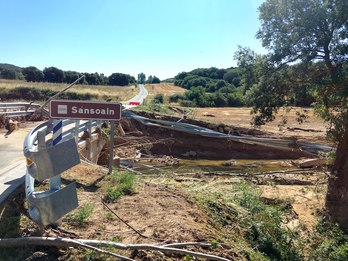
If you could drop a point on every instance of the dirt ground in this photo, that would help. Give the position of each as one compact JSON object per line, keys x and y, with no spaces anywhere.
{"x":313,"y":129}
{"x":181,"y":198}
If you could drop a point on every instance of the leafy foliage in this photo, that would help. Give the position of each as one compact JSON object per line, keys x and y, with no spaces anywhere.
{"x":121,"y":79}
{"x":153,"y":79}
{"x":329,"y":242}
{"x":313,"y":34}
{"x":209,"y":87}
{"x":159,"y":98}
{"x":33,"y":74}
{"x":141,"y":78}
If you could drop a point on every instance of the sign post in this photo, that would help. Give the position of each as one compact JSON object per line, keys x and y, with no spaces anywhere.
{"x":111,"y":159}
{"x":86,"y":110}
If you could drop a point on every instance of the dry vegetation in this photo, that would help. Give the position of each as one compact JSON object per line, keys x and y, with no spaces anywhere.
{"x":167,"y":89}
{"x":115,"y":92}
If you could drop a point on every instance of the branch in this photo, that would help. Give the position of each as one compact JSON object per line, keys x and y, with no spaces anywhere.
{"x":54,"y":241}
{"x":63,"y":242}
{"x":163,"y":249}
{"x":136,"y":231}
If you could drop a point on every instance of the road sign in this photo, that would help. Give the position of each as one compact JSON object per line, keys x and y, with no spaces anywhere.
{"x":83,"y":110}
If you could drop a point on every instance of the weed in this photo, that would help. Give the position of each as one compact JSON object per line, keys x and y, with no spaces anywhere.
{"x":82,"y":213}
{"x":213,"y":244}
{"x":110,"y":216}
{"x":117,"y":239}
{"x":121,"y":183}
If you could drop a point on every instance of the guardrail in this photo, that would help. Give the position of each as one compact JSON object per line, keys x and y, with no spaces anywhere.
{"x":45,"y":161}
{"x":16,"y":109}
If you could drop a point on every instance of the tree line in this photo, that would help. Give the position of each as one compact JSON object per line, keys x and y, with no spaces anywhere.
{"x":150,"y":79}
{"x":55,"y":75}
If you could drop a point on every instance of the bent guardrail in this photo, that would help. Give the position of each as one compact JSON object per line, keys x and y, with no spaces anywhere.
{"x":45,"y":161}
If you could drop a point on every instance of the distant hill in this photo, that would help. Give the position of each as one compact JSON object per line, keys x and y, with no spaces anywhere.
{"x":10,"y":67}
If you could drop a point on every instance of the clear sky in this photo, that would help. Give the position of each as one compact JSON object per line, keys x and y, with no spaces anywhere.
{"x":157,"y":37}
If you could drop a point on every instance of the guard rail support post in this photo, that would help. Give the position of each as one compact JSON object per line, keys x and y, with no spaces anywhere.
{"x":90,"y":127}
{"x":77,"y":129}
{"x":57,"y":137}
{"x":111,"y":159}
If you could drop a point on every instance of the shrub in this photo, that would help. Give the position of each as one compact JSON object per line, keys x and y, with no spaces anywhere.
{"x":267,"y":232}
{"x":330,"y":242}
{"x":82,"y":214}
{"x":159,"y":98}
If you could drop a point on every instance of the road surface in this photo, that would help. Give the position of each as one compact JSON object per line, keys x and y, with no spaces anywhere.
{"x":12,"y":160}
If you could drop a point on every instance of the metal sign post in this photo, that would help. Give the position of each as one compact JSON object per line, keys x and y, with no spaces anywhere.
{"x":112,"y":134}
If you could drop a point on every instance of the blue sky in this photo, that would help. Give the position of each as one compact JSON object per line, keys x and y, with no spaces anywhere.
{"x":157,"y":37}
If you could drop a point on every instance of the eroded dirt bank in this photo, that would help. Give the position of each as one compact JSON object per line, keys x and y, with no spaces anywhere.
{"x":165,"y":141}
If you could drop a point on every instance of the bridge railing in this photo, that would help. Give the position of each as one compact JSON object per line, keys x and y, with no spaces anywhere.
{"x":45,"y":161}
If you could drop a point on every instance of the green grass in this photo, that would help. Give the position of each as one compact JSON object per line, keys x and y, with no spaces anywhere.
{"x":121,"y":183}
{"x":82,"y":214}
{"x":266,"y":230}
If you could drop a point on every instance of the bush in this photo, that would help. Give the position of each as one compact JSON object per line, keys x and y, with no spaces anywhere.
{"x":330,"y":242}
{"x":266,"y":233}
{"x":159,"y":98}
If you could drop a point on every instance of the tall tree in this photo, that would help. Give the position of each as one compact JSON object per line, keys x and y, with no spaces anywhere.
{"x":155,"y":79}
{"x":141,"y":78}
{"x":32,"y":74}
{"x":312,"y":34}
{"x":53,"y":74}
{"x":119,"y":79}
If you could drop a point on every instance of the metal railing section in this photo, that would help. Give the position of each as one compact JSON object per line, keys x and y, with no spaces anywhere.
{"x":45,"y":161}
{"x":15,"y":109}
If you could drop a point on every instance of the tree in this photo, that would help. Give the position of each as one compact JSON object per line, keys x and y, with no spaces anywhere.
{"x":313,"y":35}
{"x":119,"y":79}
{"x":8,"y":74}
{"x":156,"y":79}
{"x":149,"y":79}
{"x":33,"y":74}
{"x":71,"y":76}
{"x":53,"y":74}
{"x":141,"y":78}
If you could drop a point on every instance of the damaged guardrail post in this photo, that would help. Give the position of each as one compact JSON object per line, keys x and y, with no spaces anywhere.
{"x":45,"y":161}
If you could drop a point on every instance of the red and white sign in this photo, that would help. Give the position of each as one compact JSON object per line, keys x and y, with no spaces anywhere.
{"x":83,"y":110}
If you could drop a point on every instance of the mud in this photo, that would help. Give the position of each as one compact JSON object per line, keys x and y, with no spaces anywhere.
{"x":185,"y":145}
